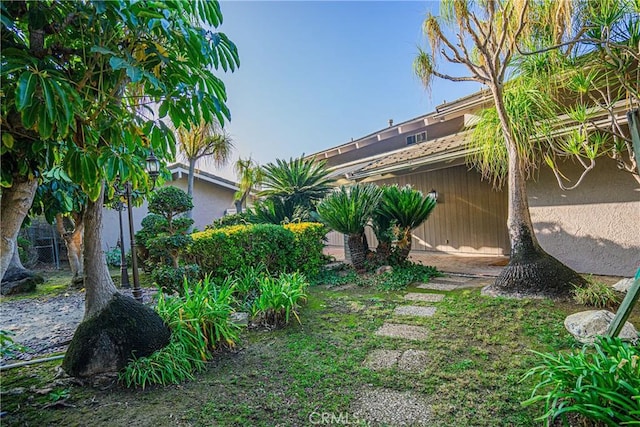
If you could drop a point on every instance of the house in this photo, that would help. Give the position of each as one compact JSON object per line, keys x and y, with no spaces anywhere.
{"x":212,"y":198}
{"x":593,"y":229}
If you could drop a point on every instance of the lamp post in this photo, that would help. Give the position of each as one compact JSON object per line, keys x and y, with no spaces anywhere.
{"x":124,"y":275}
{"x":153,"y":170}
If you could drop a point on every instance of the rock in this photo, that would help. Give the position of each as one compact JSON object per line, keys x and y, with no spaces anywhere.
{"x":586,"y":325}
{"x":19,"y":281}
{"x":383,"y":269}
{"x":623,"y":285}
{"x":107,"y":341}
{"x":240,"y":318}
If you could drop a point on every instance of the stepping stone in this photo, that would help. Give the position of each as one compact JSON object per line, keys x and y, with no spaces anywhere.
{"x":452,"y":279}
{"x":409,"y":332}
{"x":381,"y":406}
{"x":424,"y":297}
{"x":413,"y":360}
{"x":439,"y":286}
{"x":382,"y":359}
{"x":414,"y":310}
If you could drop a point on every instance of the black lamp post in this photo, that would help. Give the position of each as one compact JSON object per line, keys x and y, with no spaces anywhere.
{"x":124,"y":275}
{"x":153,"y":169}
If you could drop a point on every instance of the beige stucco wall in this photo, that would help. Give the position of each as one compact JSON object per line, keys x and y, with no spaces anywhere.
{"x":210,"y":202}
{"x":594,"y":228}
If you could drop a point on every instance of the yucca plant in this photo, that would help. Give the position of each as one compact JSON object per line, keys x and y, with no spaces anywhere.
{"x":279,"y":298}
{"x":403,"y":208}
{"x":600,"y":384}
{"x":348,"y":210}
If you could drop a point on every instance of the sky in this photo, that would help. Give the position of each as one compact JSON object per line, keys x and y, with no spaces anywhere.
{"x":314,"y":74}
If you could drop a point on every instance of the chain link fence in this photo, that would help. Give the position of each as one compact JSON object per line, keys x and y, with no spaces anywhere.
{"x":40,"y":245}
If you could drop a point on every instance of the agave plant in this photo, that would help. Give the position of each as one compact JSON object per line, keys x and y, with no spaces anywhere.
{"x":347,"y":210}
{"x":405,"y":209}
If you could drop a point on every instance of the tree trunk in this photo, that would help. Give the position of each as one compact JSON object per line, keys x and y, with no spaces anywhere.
{"x":115,"y":327}
{"x":190,"y":178}
{"x":357,"y":250}
{"x":531,"y":271}
{"x":15,"y":202}
{"x":404,"y":245}
{"x":74,"y":241}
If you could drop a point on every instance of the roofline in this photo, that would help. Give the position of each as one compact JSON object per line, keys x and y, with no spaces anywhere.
{"x":181,"y":168}
{"x":440,"y":110}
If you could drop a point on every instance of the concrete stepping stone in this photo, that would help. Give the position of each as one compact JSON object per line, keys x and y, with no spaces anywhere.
{"x":452,"y":279}
{"x":434,"y":286}
{"x":382,"y":406}
{"x":414,"y":310}
{"x":413,"y":360}
{"x":415,"y":296}
{"x":409,"y":332}
{"x":382,"y":359}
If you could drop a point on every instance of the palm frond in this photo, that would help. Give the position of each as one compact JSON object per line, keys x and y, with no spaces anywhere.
{"x":348,"y":209}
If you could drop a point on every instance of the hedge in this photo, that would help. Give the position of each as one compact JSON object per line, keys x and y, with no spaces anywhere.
{"x":288,"y":248}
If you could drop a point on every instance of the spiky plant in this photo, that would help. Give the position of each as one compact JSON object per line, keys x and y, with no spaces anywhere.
{"x":406,"y":208}
{"x":347,"y":210}
{"x":300,"y":181}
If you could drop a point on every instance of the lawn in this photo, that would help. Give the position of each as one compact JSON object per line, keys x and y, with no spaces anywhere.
{"x":478,"y":350}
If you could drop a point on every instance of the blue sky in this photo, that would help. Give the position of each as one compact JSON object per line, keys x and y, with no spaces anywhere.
{"x":315,"y":74}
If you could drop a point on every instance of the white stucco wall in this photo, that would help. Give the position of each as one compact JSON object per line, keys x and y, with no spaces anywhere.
{"x":210,"y":202}
{"x":594,"y":228}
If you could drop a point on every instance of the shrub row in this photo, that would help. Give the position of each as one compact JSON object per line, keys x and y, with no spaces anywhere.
{"x":288,"y":248}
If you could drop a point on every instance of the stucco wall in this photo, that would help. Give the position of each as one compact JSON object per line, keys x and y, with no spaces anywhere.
{"x":209,"y":200}
{"x":594,"y":228}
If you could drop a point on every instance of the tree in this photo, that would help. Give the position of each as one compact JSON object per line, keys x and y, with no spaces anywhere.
{"x":203,"y":141}
{"x":348,"y":210}
{"x":488,"y":36}
{"x":403,"y":209}
{"x":249,"y":174}
{"x":70,"y":70}
{"x":299,"y":181}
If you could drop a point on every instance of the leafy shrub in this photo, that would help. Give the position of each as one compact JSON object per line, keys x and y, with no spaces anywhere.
{"x":225,"y":250}
{"x":246,"y":286}
{"x":596,"y":294}
{"x":200,"y":322}
{"x":171,"y":279}
{"x":279,"y":298}
{"x":405,"y":274}
{"x":113,"y":257}
{"x":26,"y":252}
{"x":228,"y":220}
{"x":8,"y":348}
{"x":602,"y":384}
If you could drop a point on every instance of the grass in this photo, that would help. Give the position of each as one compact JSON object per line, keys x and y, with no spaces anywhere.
{"x":479,"y":350}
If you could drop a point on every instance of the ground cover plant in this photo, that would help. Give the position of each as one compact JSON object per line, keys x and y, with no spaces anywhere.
{"x":478,"y":351}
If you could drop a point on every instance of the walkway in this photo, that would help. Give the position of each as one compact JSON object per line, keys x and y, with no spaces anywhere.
{"x":408,"y":408}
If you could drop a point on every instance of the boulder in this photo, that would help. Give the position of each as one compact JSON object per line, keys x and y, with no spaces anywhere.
{"x":586,"y":325}
{"x":107,"y":341}
{"x":19,"y":281}
{"x":623,"y":285}
{"x":383,"y":269}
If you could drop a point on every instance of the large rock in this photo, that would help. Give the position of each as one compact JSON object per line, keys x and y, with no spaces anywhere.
{"x":623,"y":285}
{"x":19,"y":281}
{"x":586,"y":325}
{"x":107,"y":341}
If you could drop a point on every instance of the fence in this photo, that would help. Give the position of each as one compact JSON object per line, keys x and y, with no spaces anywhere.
{"x":46,"y":246}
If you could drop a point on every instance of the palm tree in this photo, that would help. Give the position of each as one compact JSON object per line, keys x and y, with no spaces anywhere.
{"x":203,"y":141}
{"x":488,"y":35}
{"x":249,"y":174}
{"x":348,"y":210}
{"x":300,"y":181}
{"x":403,"y":209}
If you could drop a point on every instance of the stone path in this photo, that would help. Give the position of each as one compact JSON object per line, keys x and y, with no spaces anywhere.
{"x":385,"y":406}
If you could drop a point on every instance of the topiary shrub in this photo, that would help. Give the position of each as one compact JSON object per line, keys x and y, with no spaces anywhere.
{"x":309,"y":238}
{"x":229,"y":220}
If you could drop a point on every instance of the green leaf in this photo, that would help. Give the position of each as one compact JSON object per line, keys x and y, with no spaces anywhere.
{"x":7,"y":140}
{"x":99,"y":49}
{"x":25,"y":90}
{"x":47,"y":91}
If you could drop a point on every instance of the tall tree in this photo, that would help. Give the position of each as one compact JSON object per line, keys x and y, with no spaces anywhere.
{"x":488,"y":35}
{"x":206,"y":140}
{"x":70,"y":71}
{"x":249,"y":174}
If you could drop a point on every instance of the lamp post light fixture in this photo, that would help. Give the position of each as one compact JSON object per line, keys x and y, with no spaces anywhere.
{"x":433,"y":194}
{"x":153,"y":170}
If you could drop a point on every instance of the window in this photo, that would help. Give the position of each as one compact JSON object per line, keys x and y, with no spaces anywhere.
{"x":417,"y":138}
{"x":411,"y":139}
